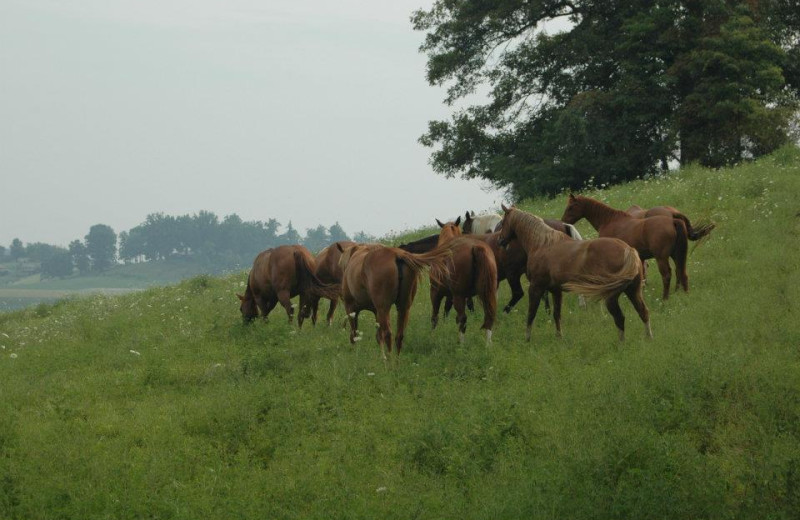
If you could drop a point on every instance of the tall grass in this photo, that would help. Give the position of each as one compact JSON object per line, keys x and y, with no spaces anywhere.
{"x":161,"y":404}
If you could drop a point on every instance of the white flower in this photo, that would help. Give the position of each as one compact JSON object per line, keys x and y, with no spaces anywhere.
{"x":13,"y":355}
{"x":382,"y":489}
{"x":134,"y":352}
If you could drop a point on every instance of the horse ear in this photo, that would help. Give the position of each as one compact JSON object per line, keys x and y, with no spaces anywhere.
{"x":241,"y":298}
{"x":571,"y":196}
{"x":504,"y":208}
{"x":339,"y":247}
{"x":440,"y":224}
{"x":458,"y":220}
{"x":467,"y":218}
{"x":473,"y":213}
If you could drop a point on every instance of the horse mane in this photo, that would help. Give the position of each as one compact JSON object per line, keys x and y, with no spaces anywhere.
{"x":531,"y":230}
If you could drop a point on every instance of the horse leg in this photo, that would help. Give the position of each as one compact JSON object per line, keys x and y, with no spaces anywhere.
{"x":331,"y":310}
{"x":516,"y":293}
{"x":557,"y":295}
{"x":612,"y":304}
{"x":352,"y":317}
{"x":384,"y":334}
{"x":634,"y":294}
{"x":448,"y":304}
{"x":470,"y":304}
{"x":402,"y":323}
{"x":266,"y":304}
{"x":436,"y":301}
{"x":666,"y":274}
{"x":283,"y":297}
{"x":534,"y":298}
{"x":460,"y":304}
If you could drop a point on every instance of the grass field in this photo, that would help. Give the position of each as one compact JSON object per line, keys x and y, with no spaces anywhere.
{"x":161,"y":404}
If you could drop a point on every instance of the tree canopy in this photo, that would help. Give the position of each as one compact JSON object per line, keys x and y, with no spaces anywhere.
{"x":609,"y":90}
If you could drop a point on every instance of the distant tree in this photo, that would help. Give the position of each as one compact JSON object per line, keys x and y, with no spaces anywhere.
{"x":79,"y":256}
{"x":132,"y":245}
{"x":363,"y":238}
{"x":337,"y":233}
{"x":16,"y":250}
{"x":57,"y":265}
{"x":291,"y":236}
{"x":2,"y":251}
{"x":39,"y":251}
{"x":101,"y":245}
{"x":316,"y":239}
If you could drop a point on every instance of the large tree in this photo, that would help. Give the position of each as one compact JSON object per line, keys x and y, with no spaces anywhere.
{"x":604,"y":89}
{"x":101,"y":245}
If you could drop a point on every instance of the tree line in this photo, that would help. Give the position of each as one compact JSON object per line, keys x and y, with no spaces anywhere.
{"x":216,"y":244}
{"x":609,"y":90}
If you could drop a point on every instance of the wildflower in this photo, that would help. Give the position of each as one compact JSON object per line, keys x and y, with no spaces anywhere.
{"x":13,"y":355}
{"x":134,"y":352}
{"x":382,"y":489}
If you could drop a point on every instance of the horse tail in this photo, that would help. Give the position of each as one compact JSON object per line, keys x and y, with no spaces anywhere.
{"x":308,"y":281}
{"x":572,"y":231}
{"x":435,"y":261}
{"x":679,"y":252}
{"x":603,"y":286}
{"x":485,"y":277}
{"x":695,"y":233}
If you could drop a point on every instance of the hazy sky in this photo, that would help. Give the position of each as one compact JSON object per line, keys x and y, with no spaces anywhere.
{"x":307,"y":110}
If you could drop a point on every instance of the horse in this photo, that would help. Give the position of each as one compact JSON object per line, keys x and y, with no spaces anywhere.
{"x":568,"y":229}
{"x":329,"y":272}
{"x":476,"y":225}
{"x":656,"y":237}
{"x":602,"y":268}
{"x":375,"y":277}
{"x":280,"y":274}
{"x":423,"y":245}
{"x":668,"y":211}
{"x":471,"y":271}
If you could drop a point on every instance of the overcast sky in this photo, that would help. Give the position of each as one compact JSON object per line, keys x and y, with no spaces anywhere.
{"x":307,"y":110}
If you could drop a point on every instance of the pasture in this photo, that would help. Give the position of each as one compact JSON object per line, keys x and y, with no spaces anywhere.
{"x":162,"y":404}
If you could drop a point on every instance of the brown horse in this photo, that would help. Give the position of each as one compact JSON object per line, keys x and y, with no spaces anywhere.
{"x":280,"y":274}
{"x":668,"y":211}
{"x":472,"y":271}
{"x":656,"y":237}
{"x":329,"y":272}
{"x":375,"y":277}
{"x":602,"y":268}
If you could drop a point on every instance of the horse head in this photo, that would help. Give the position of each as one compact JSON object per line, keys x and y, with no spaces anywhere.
{"x":247,"y":307}
{"x":450,"y":230}
{"x":573,"y":211}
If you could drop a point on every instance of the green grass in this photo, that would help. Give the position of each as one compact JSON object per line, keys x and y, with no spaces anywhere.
{"x":161,"y":404}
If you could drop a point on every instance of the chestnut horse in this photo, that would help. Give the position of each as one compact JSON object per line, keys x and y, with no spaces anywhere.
{"x":472,"y":271}
{"x":329,"y":272}
{"x":668,"y":211}
{"x":375,"y":277}
{"x":280,"y":274}
{"x":656,"y":237}
{"x":602,"y":268}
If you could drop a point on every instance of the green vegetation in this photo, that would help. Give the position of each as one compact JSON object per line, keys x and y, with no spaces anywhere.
{"x":161,"y":404}
{"x":612,"y":90}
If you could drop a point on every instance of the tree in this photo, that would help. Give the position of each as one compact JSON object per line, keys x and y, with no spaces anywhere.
{"x":16,"y":250}
{"x":58,"y":264}
{"x":2,"y":251}
{"x":337,"y":233}
{"x":101,"y":246}
{"x":290,"y":237}
{"x":79,"y":256}
{"x":316,"y":239}
{"x":617,"y":94}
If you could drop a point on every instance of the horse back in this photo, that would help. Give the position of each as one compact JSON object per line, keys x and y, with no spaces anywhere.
{"x":649,"y":236}
{"x":562,"y":262}
{"x":328,"y":269}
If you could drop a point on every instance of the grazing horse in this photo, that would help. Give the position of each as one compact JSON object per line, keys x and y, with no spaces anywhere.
{"x":280,"y":274}
{"x":329,"y":272}
{"x":472,"y":271}
{"x":656,"y":237}
{"x":477,"y":225}
{"x":668,"y":211}
{"x":375,"y":277}
{"x":602,"y":268}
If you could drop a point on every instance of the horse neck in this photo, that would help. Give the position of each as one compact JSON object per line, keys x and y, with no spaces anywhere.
{"x":530,"y":242}
{"x":599,"y":214}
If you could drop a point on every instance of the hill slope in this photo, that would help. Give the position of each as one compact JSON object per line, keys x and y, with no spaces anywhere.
{"x":161,"y":404}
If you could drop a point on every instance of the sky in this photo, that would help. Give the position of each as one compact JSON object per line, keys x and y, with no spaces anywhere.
{"x":306,"y":111}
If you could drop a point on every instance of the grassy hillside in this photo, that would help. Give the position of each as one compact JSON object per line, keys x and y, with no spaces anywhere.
{"x":161,"y":404}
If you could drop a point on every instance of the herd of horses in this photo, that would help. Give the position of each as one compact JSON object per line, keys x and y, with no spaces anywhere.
{"x":468,"y":259}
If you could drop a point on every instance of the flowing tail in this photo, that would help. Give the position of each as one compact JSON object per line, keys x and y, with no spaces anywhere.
{"x":679,"y":252}
{"x":702,"y":231}
{"x":601,"y":287}
{"x":308,"y":281}
{"x":435,"y":261}
{"x":485,"y":276}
